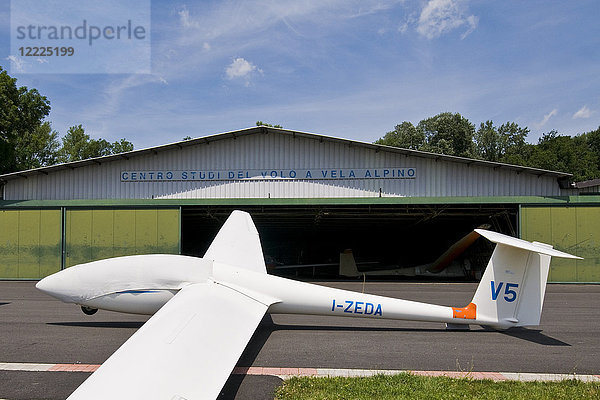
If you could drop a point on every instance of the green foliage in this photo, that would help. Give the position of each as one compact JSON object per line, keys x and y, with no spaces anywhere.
{"x":77,"y":145}
{"x":21,"y":112}
{"x":27,"y":141}
{"x":501,"y":144}
{"x":36,"y":148}
{"x":445,"y":133}
{"x":452,"y":134}
{"x":121,"y":146}
{"x":565,"y":153}
{"x":404,"y":135}
{"x":407,"y":386}
{"x":448,"y":133}
{"x":260,"y":123}
{"x":593,"y":140}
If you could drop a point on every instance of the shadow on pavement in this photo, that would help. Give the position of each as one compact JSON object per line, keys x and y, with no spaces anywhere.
{"x":535,"y":336}
{"x":100,"y":324}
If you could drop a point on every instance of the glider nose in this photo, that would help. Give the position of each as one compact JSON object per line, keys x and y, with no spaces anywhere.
{"x":56,"y":286}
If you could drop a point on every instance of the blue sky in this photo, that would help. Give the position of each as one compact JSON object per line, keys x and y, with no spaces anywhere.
{"x":344,"y":68}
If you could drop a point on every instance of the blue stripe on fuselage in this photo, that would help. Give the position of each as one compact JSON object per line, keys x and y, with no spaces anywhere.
{"x":139,"y":291}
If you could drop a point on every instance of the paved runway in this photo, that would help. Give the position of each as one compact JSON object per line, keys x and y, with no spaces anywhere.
{"x":35,"y":328}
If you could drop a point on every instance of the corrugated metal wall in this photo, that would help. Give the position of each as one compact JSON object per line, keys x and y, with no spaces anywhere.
{"x":30,"y":243}
{"x":95,"y":234}
{"x":575,"y":230}
{"x":280,"y":152}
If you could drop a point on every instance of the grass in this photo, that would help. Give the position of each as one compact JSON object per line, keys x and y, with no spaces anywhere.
{"x":407,"y":386}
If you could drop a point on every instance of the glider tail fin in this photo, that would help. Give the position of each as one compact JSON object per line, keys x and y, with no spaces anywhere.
{"x":348,"y":264}
{"x":512,"y":289}
{"x":238,"y":244}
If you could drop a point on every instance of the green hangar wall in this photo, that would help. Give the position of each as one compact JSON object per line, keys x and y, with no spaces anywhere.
{"x":30,"y":243}
{"x":574,"y":229}
{"x":35,"y":243}
{"x":95,"y":234}
{"x":40,"y":238}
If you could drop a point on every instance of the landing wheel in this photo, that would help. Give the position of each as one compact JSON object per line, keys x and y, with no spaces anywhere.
{"x":89,"y":310}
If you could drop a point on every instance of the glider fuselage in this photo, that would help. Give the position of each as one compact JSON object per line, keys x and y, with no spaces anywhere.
{"x":143,"y":284}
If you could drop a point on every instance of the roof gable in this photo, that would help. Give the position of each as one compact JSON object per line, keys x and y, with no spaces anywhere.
{"x":262,"y":130}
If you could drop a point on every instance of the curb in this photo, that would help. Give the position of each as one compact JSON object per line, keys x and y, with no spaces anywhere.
{"x":285,"y":373}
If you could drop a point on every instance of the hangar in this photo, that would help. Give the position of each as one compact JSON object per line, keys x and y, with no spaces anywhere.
{"x":312,"y":196}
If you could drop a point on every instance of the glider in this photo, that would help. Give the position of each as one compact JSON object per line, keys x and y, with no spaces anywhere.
{"x":443,"y":266}
{"x":206,"y":309}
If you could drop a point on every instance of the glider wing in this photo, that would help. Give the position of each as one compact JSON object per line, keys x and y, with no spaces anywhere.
{"x":186,"y":351}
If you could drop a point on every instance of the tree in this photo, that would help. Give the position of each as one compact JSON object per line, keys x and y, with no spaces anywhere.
{"x":488,"y":143}
{"x":593,"y":141}
{"x":22,"y":111}
{"x":77,"y":145}
{"x":515,"y":150}
{"x":404,"y":135}
{"x":566,"y":154}
{"x":448,"y":133}
{"x":260,"y":123}
{"x":452,"y":134}
{"x":36,"y":148}
{"x":500,"y":144}
{"x":121,"y":146}
{"x":445,"y":133}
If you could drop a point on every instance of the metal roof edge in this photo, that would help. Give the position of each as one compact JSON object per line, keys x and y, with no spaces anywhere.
{"x":586,"y":184}
{"x":425,"y":154}
{"x":127,"y":155}
{"x":170,"y":203}
{"x":265,"y":130}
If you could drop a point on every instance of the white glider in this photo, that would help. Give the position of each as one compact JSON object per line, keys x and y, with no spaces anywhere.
{"x":206,"y":309}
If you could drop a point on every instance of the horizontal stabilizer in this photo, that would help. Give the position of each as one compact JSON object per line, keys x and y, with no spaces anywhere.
{"x":523,"y":244}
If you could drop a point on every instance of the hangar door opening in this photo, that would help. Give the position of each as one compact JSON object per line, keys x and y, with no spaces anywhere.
{"x":379,"y":237}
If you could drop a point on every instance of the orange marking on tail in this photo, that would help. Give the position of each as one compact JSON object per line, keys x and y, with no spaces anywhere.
{"x":468,"y":312}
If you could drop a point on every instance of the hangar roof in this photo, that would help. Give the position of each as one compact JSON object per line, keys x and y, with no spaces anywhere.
{"x":265,"y":129}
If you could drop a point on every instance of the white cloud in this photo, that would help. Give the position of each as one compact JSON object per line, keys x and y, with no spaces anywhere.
{"x":17,"y":64}
{"x":241,"y":68}
{"x":184,"y":18}
{"x":205,"y":35}
{"x":409,"y":21}
{"x":546,"y":118}
{"x":442,"y":16}
{"x":472,"y":22}
{"x":227,"y":21}
{"x":584,"y":112}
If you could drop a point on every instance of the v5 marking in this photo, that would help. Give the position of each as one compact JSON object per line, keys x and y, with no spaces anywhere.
{"x":509,"y":294}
